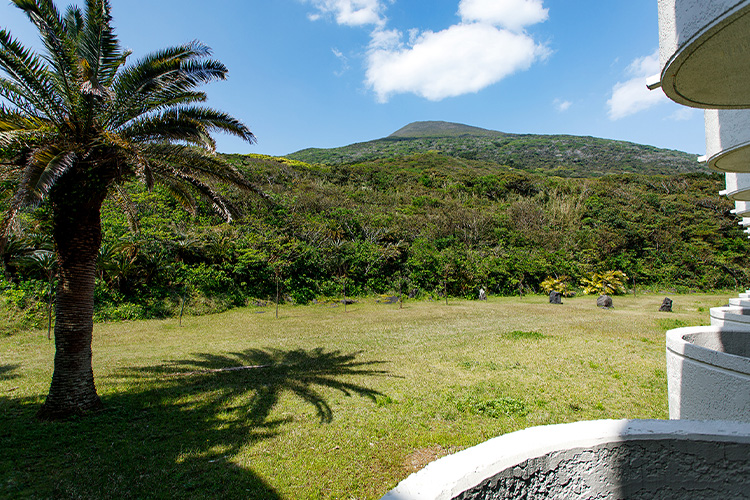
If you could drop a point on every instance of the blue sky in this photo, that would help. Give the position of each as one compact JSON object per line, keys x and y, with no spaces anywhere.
{"x":327,"y":73}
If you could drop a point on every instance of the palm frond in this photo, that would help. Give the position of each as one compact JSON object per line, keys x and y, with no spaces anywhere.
{"x":73,"y":22}
{"x":168,"y":99}
{"x":145,"y":174}
{"x":219,"y":121}
{"x":23,"y":140}
{"x":169,"y":126}
{"x":185,"y":52}
{"x":99,"y":46}
{"x":44,"y":167}
{"x":151,"y":71}
{"x":192,"y":73}
{"x":30,"y":75}
{"x":11,"y":120}
{"x":6,"y":225}
{"x":180,"y":193}
{"x":80,"y":103}
{"x":14,"y":95}
{"x":60,"y":47}
{"x":189,"y":124}
{"x":220,"y":204}
{"x":160,"y":78}
{"x":123,"y":200}
{"x":193,"y":161}
{"x":197,"y":163}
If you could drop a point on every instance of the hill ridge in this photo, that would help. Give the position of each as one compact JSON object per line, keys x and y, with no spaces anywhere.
{"x":441,"y":129}
{"x":558,"y":155}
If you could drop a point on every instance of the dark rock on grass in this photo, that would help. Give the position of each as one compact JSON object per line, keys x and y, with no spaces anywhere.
{"x":604,"y":301}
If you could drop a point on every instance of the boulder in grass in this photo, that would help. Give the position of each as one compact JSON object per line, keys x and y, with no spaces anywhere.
{"x":666,"y":305}
{"x":604,"y":301}
{"x":555,"y":297}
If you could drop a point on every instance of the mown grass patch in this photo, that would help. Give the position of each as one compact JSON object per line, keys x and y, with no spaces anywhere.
{"x":323,"y":403}
{"x":523,"y":335}
{"x":670,"y":323}
{"x":499,"y":407}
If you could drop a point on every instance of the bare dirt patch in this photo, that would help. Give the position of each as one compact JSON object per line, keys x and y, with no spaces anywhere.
{"x":418,"y":459}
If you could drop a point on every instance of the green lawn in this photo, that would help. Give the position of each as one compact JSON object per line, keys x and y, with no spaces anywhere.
{"x":329,"y":404}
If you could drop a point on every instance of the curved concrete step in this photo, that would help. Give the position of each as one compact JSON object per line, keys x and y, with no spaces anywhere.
{"x":593,"y":459}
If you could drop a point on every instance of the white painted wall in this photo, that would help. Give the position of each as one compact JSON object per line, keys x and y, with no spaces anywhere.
{"x":728,"y":139}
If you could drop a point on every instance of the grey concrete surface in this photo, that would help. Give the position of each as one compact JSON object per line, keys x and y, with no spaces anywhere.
{"x":708,"y":373}
{"x":594,"y":459}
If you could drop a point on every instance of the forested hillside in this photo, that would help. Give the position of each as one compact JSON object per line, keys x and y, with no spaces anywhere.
{"x":559,"y":155}
{"x":418,"y":224}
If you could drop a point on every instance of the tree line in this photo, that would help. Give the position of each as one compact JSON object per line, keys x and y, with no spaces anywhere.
{"x":418,"y":226}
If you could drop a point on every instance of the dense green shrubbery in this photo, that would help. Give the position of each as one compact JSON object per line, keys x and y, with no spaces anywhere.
{"x":23,"y":305}
{"x":418,"y":226}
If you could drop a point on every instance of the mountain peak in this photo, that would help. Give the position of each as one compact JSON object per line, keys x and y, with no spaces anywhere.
{"x":441,"y":129}
{"x":558,"y":155}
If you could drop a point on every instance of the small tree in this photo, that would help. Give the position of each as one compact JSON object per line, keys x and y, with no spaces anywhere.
{"x":561,"y":284}
{"x":46,"y":262}
{"x":606,"y":283}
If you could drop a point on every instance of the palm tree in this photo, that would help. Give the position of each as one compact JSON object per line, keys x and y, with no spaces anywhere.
{"x":79,"y":121}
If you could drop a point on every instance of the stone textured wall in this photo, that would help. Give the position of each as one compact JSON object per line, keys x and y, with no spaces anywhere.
{"x":646,"y":469}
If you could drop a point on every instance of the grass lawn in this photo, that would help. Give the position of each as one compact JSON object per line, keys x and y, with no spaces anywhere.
{"x":329,"y":404}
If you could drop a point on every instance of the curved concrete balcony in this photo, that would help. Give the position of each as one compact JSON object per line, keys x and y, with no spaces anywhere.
{"x":728,"y":140}
{"x":732,"y":316}
{"x":708,"y":373}
{"x":738,"y":186}
{"x":594,"y":459}
{"x":704,"y":50}
{"x":740,"y":302}
{"x":741,"y":208}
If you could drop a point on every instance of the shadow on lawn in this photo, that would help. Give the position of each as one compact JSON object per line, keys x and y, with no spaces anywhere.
{"x":6,"y":372}
{"x":172,"y":430}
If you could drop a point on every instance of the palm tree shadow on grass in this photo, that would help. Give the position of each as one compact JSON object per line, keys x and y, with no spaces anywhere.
{"x":173,"y":430}
{"x":264,"y":375}
{"x":7,"y":372}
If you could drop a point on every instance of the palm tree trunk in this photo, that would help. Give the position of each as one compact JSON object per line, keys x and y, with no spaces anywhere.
{"x":49,"y":308}
{"x":77,"y":234}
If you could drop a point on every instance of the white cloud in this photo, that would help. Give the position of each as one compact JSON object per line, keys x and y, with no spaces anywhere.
{"x":632,"y":96}
{"x":645,"y":66}
{"x":488,"y":45}
{"x":387,"y":40}
{"x":461,"y":59}
{"x":343,"y":59}
{"x":561,"y":105}
{"x":350,"y":12}
{"x":682,"y":114}
{"x":510,"y":14}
